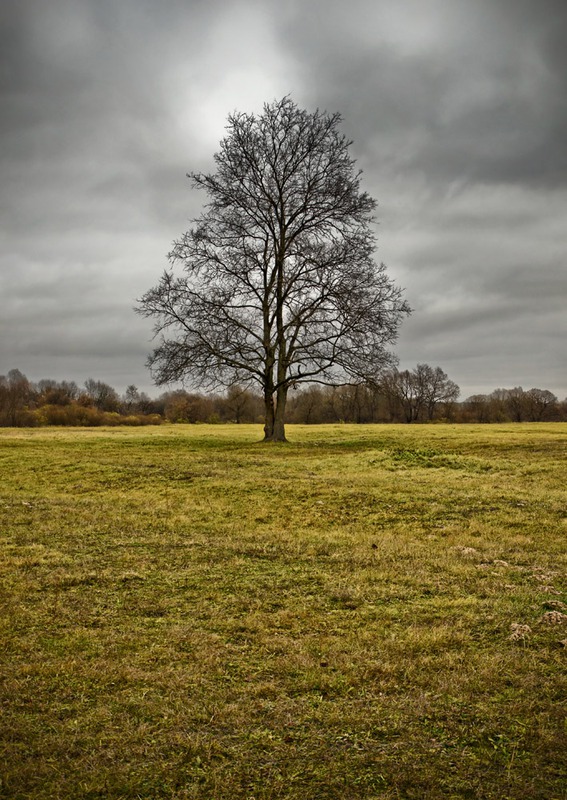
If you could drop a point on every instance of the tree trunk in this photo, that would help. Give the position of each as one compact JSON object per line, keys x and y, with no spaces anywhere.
{"x":279,"y":425}
{"x":268,"y":416}
{"x":274,"y":427}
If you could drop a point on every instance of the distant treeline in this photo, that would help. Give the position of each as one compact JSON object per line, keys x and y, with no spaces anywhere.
{"x":424,"y":394}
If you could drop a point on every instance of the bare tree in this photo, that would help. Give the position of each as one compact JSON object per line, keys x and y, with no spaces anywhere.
{"x":133,"y":401}
{"x":16,"y":393}
{"x":418,"y":393}
{"x":241,"y":404}
{"x":279,"y":285}
{"x":57,"y":393}
{"x":102,"y":395}
{"x":478,"y":408}
{"x":130,"y":400}
{"x":515,"y":402}
{"x":410,"y":394}
{"x":308,"y":406}
{"x":539,"y":403}
{"x":435,"y":387}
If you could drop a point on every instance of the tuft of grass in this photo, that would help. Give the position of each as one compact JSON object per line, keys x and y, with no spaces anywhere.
{"x":367,"y":612}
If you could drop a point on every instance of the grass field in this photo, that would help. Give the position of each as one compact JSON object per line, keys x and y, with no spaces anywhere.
{"x":366,"y":612}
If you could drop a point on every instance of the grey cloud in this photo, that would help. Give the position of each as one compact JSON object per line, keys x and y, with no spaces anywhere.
{"x":458,"y":115}
{"x":485,"y":99}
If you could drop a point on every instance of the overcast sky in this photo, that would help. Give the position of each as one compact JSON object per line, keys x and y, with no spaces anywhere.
{"x":457,"y":109}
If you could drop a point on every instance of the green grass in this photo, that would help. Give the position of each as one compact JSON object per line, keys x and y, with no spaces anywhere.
{"x":189,"y":613}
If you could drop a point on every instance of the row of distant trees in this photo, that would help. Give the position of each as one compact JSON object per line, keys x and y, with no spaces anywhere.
{"x":401,"y":398}
{"x":24,"y":403}
{"x":424,"y":394}
{"x":50,"y":402}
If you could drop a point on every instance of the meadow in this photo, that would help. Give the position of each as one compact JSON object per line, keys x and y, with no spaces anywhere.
{"x":365,"y":612}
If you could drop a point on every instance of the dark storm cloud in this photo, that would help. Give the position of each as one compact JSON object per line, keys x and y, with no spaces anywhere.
{"x":105,"y":106}
{"x":84,"y":97}
{"x":458,"y":114}
{"x":470,"y":90}
{"x":85,"y":153}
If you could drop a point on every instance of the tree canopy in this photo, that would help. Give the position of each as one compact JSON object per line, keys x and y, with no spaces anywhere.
{"x":278,"y":283}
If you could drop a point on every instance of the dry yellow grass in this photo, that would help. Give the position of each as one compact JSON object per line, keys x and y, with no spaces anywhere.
{"x":367,"y":612}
